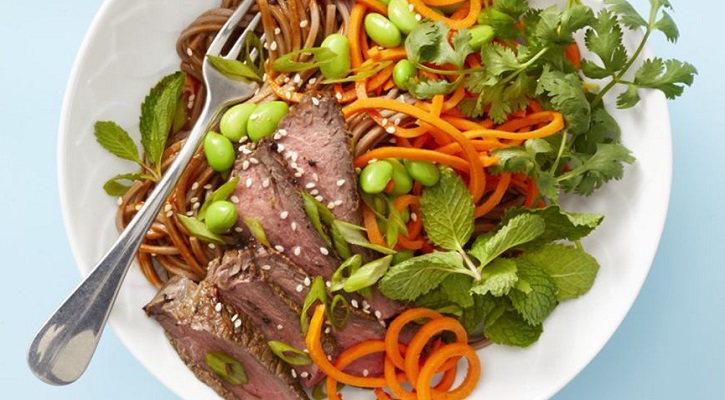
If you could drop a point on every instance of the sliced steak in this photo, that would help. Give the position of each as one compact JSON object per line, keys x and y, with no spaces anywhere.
{"x":313,"y":138}
{"x":246,"y":284}
{"x":196,"y":323}
{"x":268,"y":194}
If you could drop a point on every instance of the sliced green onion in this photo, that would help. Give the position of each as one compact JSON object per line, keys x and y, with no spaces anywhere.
{"x":286,"y":63}
{"x":222,"y":193}
{"x":257,"y":230}
{"x":360,"y":73}
{"x":368,"y":274}
{"x":336,"y":301}
{"x":226,"y":367}
{"x":311,"y":209}
{"x":198,"y":229}
{"x":289,"y":354}
{"x":233,"y":69}
{"x":353,"y":234}
{"x":317,"y":292}
{"x":337,"y":281}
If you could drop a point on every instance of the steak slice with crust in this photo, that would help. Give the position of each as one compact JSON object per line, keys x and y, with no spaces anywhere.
{"x":246,"y":284}
{"x":196,"y":323}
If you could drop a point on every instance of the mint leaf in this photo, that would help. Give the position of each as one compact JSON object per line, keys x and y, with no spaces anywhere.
{"x":456,"y":288}
{"x":484,"y":307}
{"x":419,"y":275}
{"x":498,"y":278}
{"x":447,"y":210}
{"x":573,"y":270}
{"x":560,"y":224}
{"x":116,"y":140}
{"x":541,"y":300}
{"x":157,"y":115}
{"x":221,"y":193}
{"x":233,"y":69}
{"x":518,"y":230}
{"x":510,"y":329}
{"x":114,"y":188}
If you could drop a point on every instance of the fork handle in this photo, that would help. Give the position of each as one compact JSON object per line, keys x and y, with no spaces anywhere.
{"x":64,"y":346}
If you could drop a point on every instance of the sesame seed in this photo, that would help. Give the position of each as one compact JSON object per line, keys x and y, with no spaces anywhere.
{"x":279,"y":248}
{"x":234,"y":199}
{"x":238,"y":323}
{"x":193,"y":199}
{"x":120,"y":201}
{"x":283,"y":132}
{"x":372,"y":160}
{"x":299,"y":288}
{"x":307,"y":281}
{"x":384,"y":121}
{"x":397,"y":121}
{"x":312,"y":81}
{"x":277,"y":31}
{"x":273,"y":46}
{"x":297,"y":251}
{"x":328,"y":284}
{"x":327,"y":331}
{"x":195,"y":205}
{"x":218,"y":307}
{"x":195,"y":186}
{"x":189,"y":52}
{"x":284,"y":214}
{"x":410,"y":7}
{"x":310,"y":185}
{"x":338,"y":202}
{"x":286,"y":79}
{"x":294,"y":226}
{"x":238,"y":229}
{"x":338,"y":96}
{"x":331,"y":205}
{"x":234,"y":317}
{"x":169,"y":214}
{"x":167,"y":207}
{"x":315,"y":177}
{"x":293,"y":373}
{"x":243,"y":139}
{"x":265,"y":182}
{"x":297,"y":78}
{"x":294,"y":156}
{"x":303,"y":23}
{"x":298,"y":175}
{"x":246,"y":151}
{"x":212,"y":246}
{"x":208,"y":186}
{"x":315,"y":101}
{"x":319,"y":198}
{"x":280,"y":327}
{"x":189,"y":213}
{"x":266,"y":267}
{"x":324,"y":251}
{"x":245,"y":165}
{"x":288,"y":95}
{"x":137,"y":207}
{"x":354,"y":303}
{"x":304,"y":374}
{"x":254,"y":161}
{"x":378,"y":314}
{"x":390,"y":129}
{"x":418,"y":17}
{"x":277,"y":136}
{"x":280,"y":147}
{"x":358,"y":170}
{"x":414,"y":217}
{"x":314,"y":192}
{"x":340,"y":182}
{"x":366,"y":372}
{"x":248,"y":183}
{"x":382,"y":323}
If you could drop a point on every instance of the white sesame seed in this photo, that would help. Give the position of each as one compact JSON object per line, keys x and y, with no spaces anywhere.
{"x":208,"y":186}
{"x":310,"y":185}
{"x":294,"y":226}
{"x":189,"y":52}
{"x":280,"y":147}
{"x":328,"y":284}
{"x":169,"y":214}
{"x":284,"y":214}
{"x":212,"y":246}
{"x":410,"y":7}
{"x":338,"y":202}
{"x":331,"y":205}
{"x":273,"y":46}
{"x":283,"y":132}
{"x":382,"y":323}
{"x":288,"y":95}
{"x":372,"y":160}
{"x":193,"y":199}
{"x":378,"y":314}
{"x":218,"y":307}
{"x":294,"y":156}
{"x":238,"y":229}
{"x":319,"y":198}
{"x":297,"y":78}
{"x":390,"y":129}
{"x":340,"y":182}
{"x":384,"y":121}
{"x":418,"y":17}
{"x":397,"y":121}
{"x":265,"y":183}
{"x":280,"y":327}
{"x":354,"y":303}
{"x":297,"y":251}
{"x":195,"y":205}
{"x":315,"y":177}
{"x":277,"y":31}
{"x":293,"y":373}
{"x":312,"y":81}
{"x":277,"y":136}
{"x":248,"y":183}
{"x":366,"y":372}
{"x":234,"y":199}
{"x":286,"y":79}
{"x":298,"y":175}
{"x":195,"y":186}
{"x":266,"y":267}
{"x":245,"y":165}
{"x":414,"y":217}
{"x":315,"y":101}
{"x":324,"y":250}
{"x":246,"y":151}
{"x":358,"y":170}
{"x":314,"y":192}
{"x":167,"y":207}
{"x":327,"y":331}
{"x":238,"y":323}
{"x":303,"y":23}
{"x":137,"y":207}
{"x":243,"y":139}
{"x":307,"y":281}
{"x":234,"y":317}
{"x":304,"y":374}
{"x":279,"y":248}
{"x":338,"y":96}
{"x":254,"y":161}
{"x":189,"y":213}
{"x":119,"y":201}
{"x":299,"y":288}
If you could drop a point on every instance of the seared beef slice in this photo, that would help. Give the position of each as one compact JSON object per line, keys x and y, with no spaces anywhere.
{"x":196,"y":323}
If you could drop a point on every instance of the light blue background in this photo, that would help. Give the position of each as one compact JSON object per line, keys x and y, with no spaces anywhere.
{"x":669,"y":347}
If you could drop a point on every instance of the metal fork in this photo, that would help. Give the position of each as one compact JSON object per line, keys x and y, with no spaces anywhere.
{"x":64,"y":346}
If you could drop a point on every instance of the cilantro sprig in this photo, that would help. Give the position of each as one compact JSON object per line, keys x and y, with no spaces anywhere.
{"x":159,"y":111}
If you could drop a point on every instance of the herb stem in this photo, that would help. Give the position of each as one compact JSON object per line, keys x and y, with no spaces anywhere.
{"x":562,"y":146}
{"x":469,"y":264}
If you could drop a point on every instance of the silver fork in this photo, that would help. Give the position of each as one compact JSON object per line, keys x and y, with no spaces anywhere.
{"x":64,"y":346}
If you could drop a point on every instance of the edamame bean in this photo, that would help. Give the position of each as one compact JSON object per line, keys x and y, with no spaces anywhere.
{"x":480,"y":35}
{"x":402,"y":183}
{"x":402,"y":16}
{"x":219,"y":151}
{"x":233,"y":124}
{"x":382,"y":31}
{"x":220,"y":216}
{"x":264,"y":120}
{"x":339,"y":67}
{"x":423,"y":171}
{"x":403,"y":72}
{"x":375,"y":176}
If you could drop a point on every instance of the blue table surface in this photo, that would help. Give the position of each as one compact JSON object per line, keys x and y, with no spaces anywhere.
{"x":669,"y":346}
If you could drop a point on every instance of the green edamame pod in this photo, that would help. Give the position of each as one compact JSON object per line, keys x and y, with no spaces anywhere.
{"x":220,"y":216}
{"x":382,"y":31}
{"x":424,"y":172}
{"x":219,"y":151}
{"x":264,"y":120}
{"x":402,"y":16}
{"x":402,"y":183}
{"x":403,"y":72}
{"x":339,"y":67}
{"x":375,"y":176}
{"x":233,"y":124}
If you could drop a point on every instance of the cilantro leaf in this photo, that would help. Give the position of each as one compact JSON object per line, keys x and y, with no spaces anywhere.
{"x":572,"y":269}
{"x":116,"y":140}
{"x":667,"y":26}
{"x":541,"y":300}
{"x":114,"y":188}
{"x":447,"y":210}
{"x":628,"y":15}
{"x":518,"y":230}
{"x":157,"y":114}
{"x":417,"y":276}
{"x":511,"y":329}
{"x":426,"y":89}
{"x":428,"y":43}
{"x":498,"y":278}
{"x":591,"y":172}
{"x":513,"y":8}
{"x":499,"y":59}
{"x":669,"y":76}
{"x":567,"y":96}
{"x":521,"y":160}
{"x":629,"y":98}
{"x":604,"y":39}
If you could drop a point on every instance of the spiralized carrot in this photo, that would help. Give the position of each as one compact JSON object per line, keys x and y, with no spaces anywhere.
{"x":574,"y":55}
{"x":354,"y":30}
{"x":437,"y":360}
{"x":374,"y":5}
{"x":414,"y":154}
{"x":371,"y":226}
{"x":496,"y":196}
{"x":392,"y":337}
{"x":424,"y":335}
{"x":348,"y":357}
{"x":474,"y":8}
